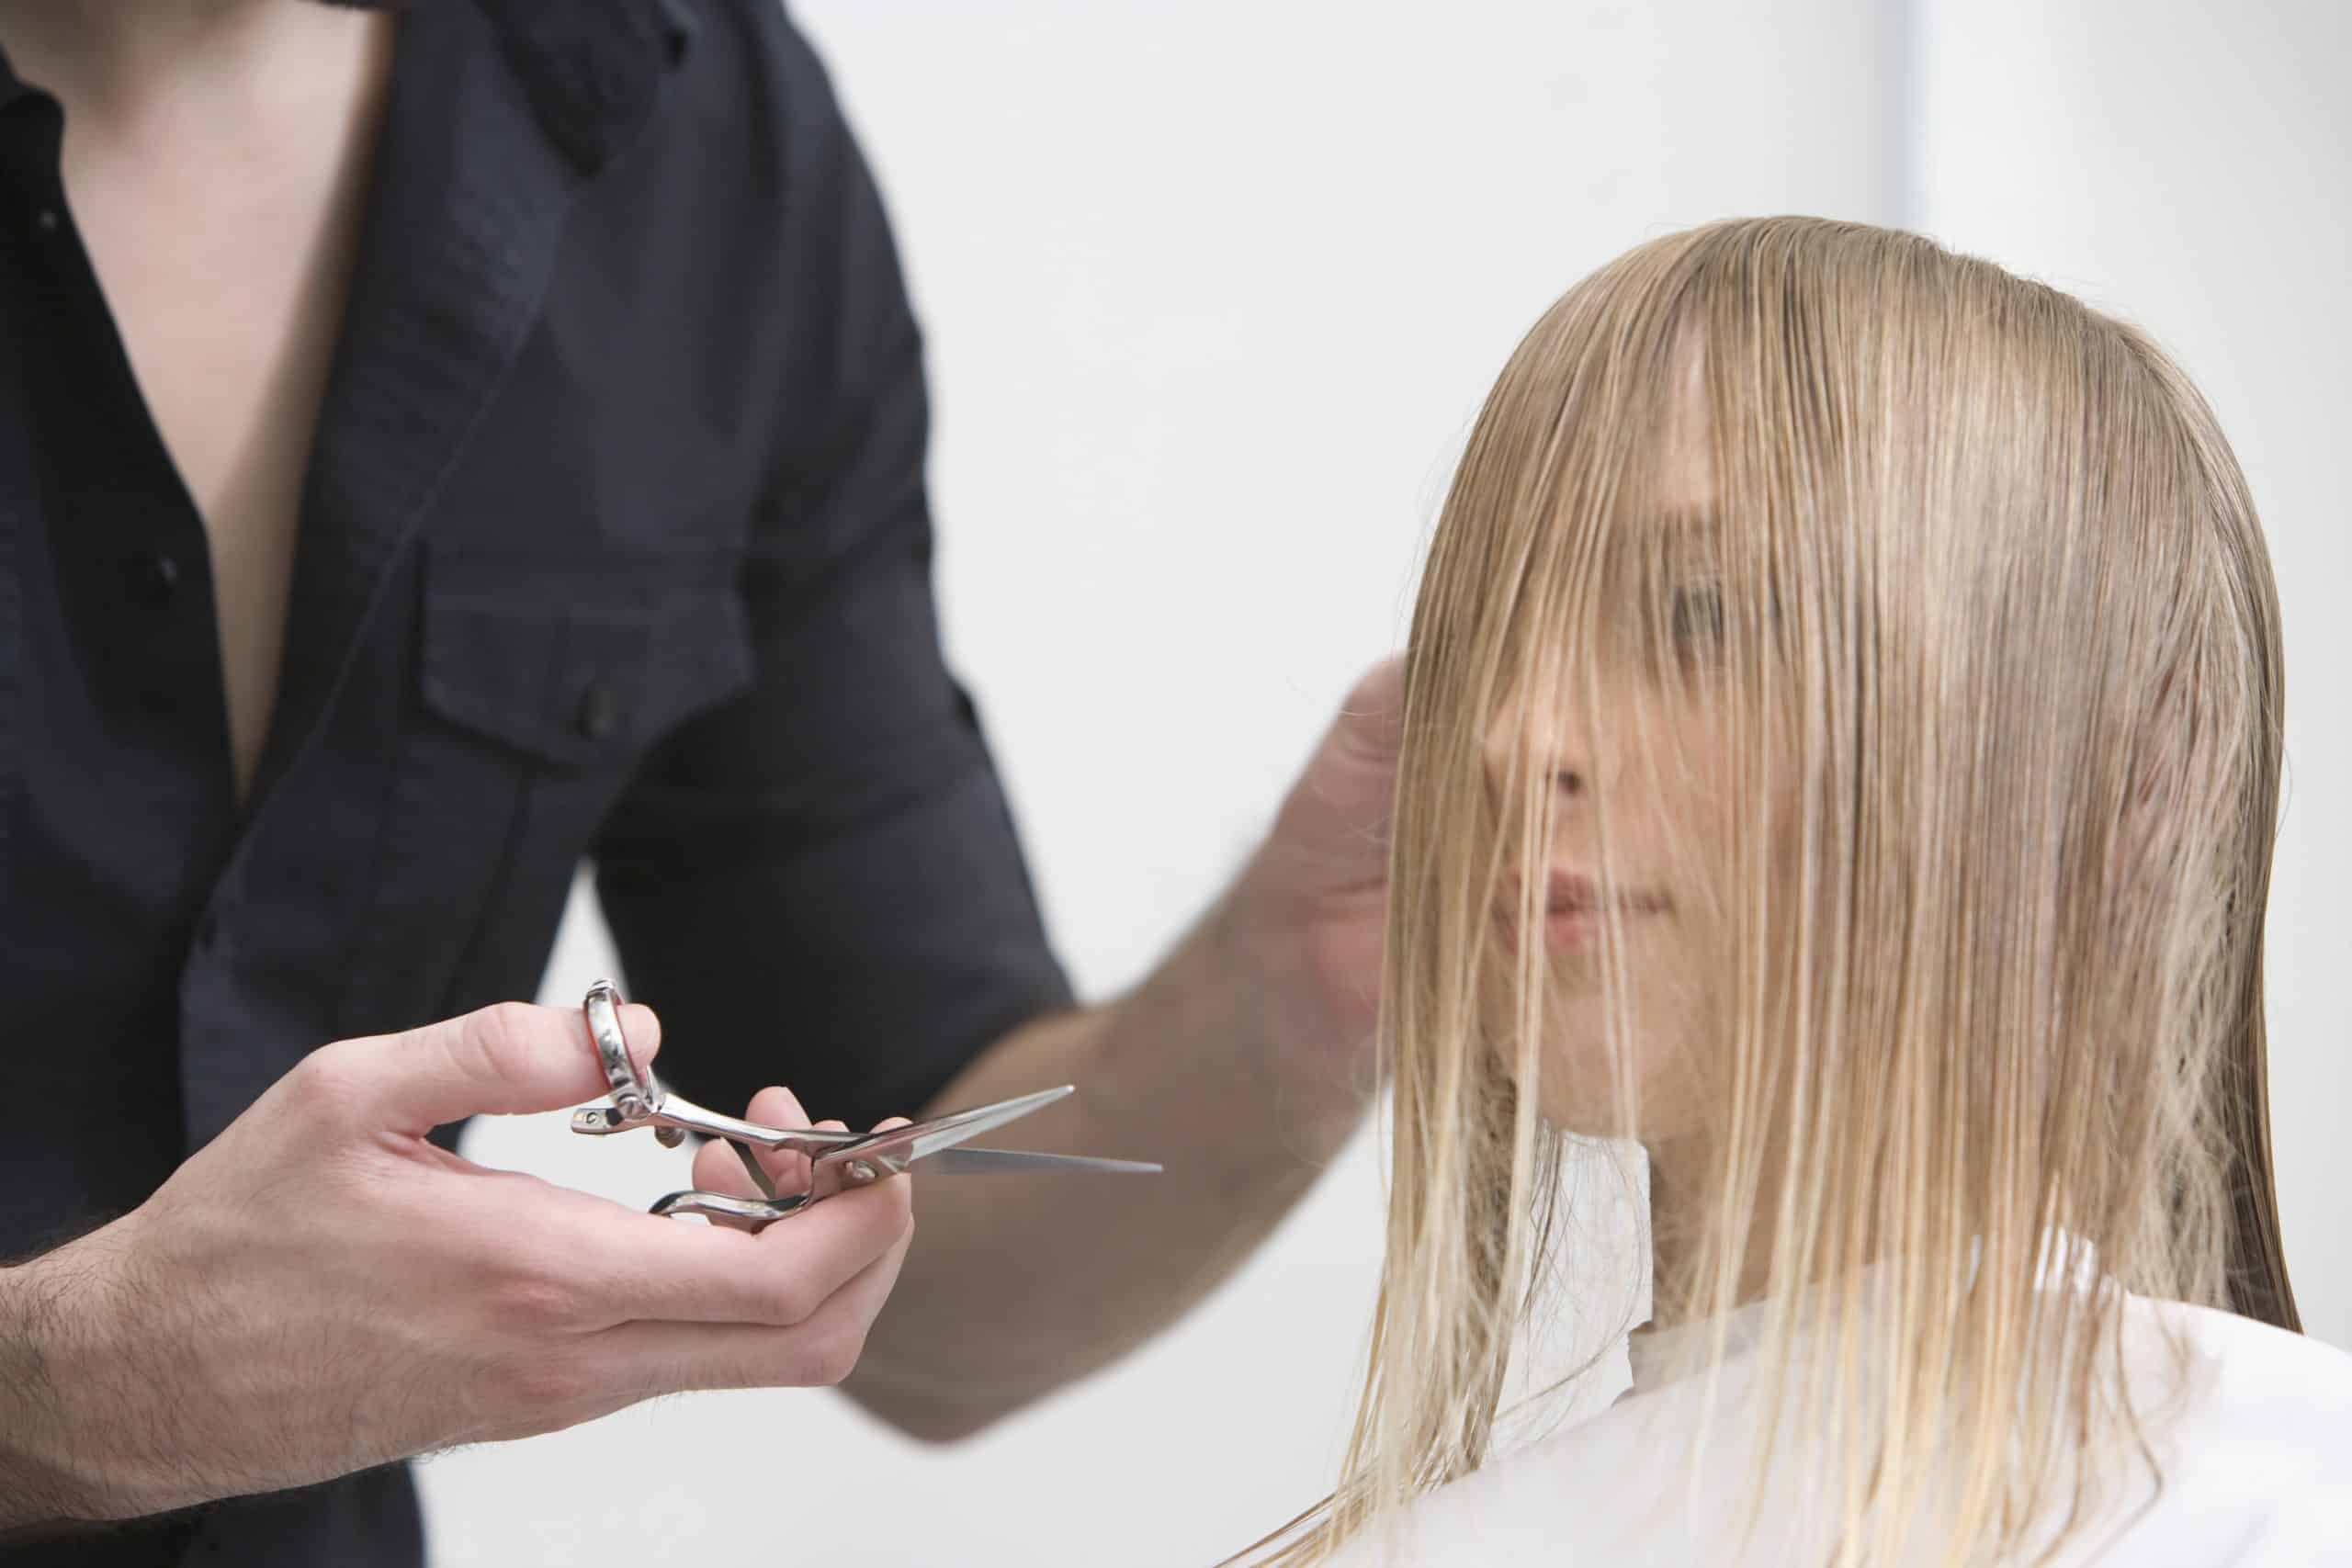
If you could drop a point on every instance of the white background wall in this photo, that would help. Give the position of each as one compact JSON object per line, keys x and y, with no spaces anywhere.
{"x":1212,"y":291}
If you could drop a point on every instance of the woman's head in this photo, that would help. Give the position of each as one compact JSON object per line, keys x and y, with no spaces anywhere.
{"x":1840,"y":753}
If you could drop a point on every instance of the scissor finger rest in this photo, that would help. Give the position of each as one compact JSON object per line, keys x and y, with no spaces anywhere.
{"x":757,"y":1212}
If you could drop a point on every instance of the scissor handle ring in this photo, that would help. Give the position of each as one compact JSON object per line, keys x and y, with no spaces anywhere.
{"x":635,"y":1094}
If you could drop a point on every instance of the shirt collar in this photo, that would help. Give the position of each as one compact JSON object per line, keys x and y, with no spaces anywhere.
{"x":591,"y":72}
{"x":2067,"y":1263}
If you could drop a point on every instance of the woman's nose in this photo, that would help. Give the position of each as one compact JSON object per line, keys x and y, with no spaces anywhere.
{"x":1552,"y":756}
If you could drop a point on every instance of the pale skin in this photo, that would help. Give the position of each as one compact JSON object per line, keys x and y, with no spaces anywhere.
{"x":443,"y":1302}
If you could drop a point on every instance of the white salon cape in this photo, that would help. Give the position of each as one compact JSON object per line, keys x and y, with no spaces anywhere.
{"x":2256,"y":1464}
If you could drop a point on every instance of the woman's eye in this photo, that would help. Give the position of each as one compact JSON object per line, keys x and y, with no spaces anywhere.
{"x":1699,"y":617}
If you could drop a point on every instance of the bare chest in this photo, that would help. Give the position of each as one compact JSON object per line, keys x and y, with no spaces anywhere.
{"x":223,"y":245}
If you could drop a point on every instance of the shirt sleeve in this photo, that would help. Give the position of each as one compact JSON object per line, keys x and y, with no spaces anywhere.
{"x":819,"y":883}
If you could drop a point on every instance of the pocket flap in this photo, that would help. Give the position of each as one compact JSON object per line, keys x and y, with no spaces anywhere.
{"x":577,"y":659}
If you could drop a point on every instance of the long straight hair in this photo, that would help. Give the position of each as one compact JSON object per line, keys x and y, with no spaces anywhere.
{"x":1989,"y":638}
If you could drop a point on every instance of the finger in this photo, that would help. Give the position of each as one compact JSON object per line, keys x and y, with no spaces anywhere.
{"x":777,"y":1107}
{"x":642,"y":1265}
{"x":719,"y":1168}
{"x":664,"y":1357}
{"x":718,"y":1164}
{"x":500,"y":1060}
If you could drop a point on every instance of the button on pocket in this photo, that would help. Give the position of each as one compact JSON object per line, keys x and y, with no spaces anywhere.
{"x":579,"y":660}
{"x":597,"y":718}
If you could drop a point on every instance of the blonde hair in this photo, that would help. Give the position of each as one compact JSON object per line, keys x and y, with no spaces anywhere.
{"x":1993,"y":626}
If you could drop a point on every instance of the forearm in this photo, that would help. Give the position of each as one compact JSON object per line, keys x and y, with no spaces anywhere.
{"x":39,"y":1488}
{"x":1214,"y":1068}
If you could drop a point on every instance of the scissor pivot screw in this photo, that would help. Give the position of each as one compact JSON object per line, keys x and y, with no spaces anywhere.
{"x":857,"y":1173}
{"x":670,"y":1138}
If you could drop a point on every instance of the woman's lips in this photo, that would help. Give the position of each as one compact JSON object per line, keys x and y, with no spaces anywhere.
{"x":1572,"y":909}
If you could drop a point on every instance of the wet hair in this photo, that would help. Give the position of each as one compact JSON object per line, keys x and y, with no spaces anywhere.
{"x":1981,"y":617}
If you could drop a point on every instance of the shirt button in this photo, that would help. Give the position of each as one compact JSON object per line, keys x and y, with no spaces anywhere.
{"x":598,"y":715}
{"x":155,"y":579}
{"x":46,"y":221}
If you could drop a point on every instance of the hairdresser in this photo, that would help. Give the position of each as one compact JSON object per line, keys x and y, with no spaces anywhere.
{"x":438,"y":448}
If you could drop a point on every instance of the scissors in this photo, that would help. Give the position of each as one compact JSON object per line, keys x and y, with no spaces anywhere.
{"x":838,"y":1161}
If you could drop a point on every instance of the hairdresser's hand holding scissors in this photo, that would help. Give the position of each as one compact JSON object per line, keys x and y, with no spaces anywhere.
{"x":319,"y":1289}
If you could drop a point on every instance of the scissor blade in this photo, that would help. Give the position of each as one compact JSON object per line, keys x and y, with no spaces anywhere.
{"x":990,"y":1162}
{"x":927,"y":1138}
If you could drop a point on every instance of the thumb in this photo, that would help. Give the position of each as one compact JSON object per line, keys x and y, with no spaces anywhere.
{"x":1334,"y":822}
{"x":1373,"y":717}
{"x":501,"y":1060}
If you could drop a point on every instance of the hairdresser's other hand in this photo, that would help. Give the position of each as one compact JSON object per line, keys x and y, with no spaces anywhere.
{"x":320,"y":1289}
{"x":1317,"y":889}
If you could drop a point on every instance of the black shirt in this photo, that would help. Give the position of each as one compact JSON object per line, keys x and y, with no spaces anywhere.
{"x":613,"y":543}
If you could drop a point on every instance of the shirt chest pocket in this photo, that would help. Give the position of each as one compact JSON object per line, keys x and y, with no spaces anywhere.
{"x":577,"y":663}
{"x":541,"y":682}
